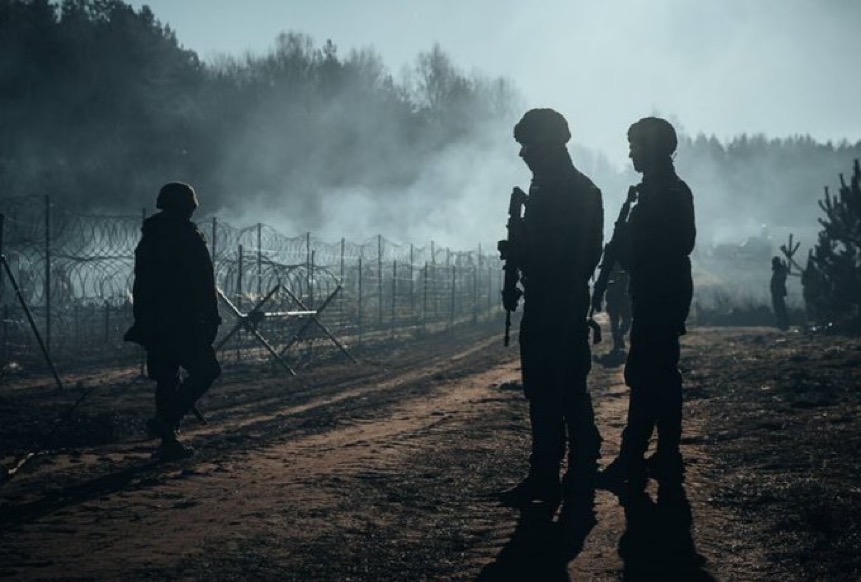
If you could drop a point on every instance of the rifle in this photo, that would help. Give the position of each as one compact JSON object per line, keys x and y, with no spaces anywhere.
{"x":509,"y":251}
{"x":611,"y":254}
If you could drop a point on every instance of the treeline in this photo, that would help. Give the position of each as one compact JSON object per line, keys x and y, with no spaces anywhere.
{"x":754,"y":180}
{"x":832,"y":276}
{"x":101,"y":104}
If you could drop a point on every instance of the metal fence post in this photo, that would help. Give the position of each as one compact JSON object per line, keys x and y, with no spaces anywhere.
{"x":5,"y":333}
{"x":453,"y":288}
{"x":311,"y":279}
{"x":425,"y":294}
{"x":433,"y":280}
{"x":48,"y":275}
{"x":259,"y":260}
{"x":107,"y":323}
{"x":380,"y":279}
{"x":474,"y":293}
{"x":412,"y":283}
{"x":239,"y":302}
{"x":341,"y":280}
{"x":360,"y":300}
{"x":394,"y":291}
{"x":307,"y":267}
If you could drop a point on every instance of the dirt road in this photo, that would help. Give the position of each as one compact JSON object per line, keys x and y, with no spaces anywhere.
{"x":389,"y":470}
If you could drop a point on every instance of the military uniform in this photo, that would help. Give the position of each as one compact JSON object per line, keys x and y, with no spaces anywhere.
{"x":176,"y":314}
{"x":779,"y":272}
{"x":618,"y":308}
{"x":561,"y":245}
{"x":661,"y":233}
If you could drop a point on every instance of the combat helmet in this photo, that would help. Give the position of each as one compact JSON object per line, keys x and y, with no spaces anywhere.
{"x":546,"y":126}
{"x":656,"y":134}
{"x":178,"y":197}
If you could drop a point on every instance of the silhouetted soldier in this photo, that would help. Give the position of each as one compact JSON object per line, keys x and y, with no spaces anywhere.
{"x":562,"y":232}
{"x":654,"y":248}
{"x":779,"y":272}
{"x":176,"y":312}
{"x":618,"y":309}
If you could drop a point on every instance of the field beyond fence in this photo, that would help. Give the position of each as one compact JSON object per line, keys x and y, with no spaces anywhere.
{"x":75,"y":272}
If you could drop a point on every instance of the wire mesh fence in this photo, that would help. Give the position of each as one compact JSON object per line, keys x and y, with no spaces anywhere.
{"x":75,"y":271}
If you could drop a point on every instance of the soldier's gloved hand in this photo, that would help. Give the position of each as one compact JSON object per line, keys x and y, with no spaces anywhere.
{"x":511,"y":299}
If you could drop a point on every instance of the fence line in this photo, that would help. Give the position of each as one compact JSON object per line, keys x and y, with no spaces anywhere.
{"x":76,"y":271}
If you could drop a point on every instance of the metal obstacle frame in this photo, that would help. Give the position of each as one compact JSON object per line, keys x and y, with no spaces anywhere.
{"x":251,"y":320}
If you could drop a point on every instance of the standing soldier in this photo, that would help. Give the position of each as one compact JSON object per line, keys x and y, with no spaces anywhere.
{"x":619,"y":312}
{"x":561,"y":245}
{"x":655,"y":245}
{"x":175,"y":312}
{"x":779,"y":272}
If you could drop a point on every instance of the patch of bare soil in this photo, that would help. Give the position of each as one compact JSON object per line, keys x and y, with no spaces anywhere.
{"x":395,"y":468}
{"x":780,"y":421}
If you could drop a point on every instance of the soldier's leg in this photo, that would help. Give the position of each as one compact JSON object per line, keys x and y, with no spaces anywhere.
{"x":669,"y":417}
{"x":779,"y":307}
{"x":616,"y":330}
{"x":639,"y":376}
{"x":584,"y":440}
{"x":630,"y":465}
{"x":545,"y":417}
{"x":667,"y":461}
{"x":784,"y":314}
{"x":163,"y":367}
{"x":547,"y":434}
{"x":203,"y":368}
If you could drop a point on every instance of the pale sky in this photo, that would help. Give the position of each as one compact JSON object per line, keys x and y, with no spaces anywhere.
{"x":723,"y":67}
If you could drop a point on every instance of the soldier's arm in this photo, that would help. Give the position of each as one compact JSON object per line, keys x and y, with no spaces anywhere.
{"x":595,"y":239}
{"x":675,"y":232}
{"x":202,"y":282}
{"x":143,"y":288}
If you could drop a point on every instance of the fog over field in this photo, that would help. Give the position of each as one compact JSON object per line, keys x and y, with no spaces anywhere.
{"x":352,"y":119}
{"x":774,"y":68}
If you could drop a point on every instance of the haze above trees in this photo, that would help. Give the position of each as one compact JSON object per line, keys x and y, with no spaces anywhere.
{"x":101,"y":104}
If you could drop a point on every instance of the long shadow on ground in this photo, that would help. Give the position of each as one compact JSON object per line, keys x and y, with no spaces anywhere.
{"x":541,"y":548}
{"x":658,"y":543}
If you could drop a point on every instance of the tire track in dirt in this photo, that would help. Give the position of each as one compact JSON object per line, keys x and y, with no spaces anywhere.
{"x":402,"y":484}
{"x":233,"y":482}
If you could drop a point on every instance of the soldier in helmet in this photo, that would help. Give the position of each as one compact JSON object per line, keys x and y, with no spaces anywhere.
{"x":562,"y":232}
{"x":655,"y":247}
{"x":619,"y":312}
{"x":779,"y":272}
{"x":175,"y":312}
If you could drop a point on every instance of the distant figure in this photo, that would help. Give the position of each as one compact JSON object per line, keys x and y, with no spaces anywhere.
{"x":175,"y":313}
{"x":779,"y":272}
{"x":618,"y":309}
{"x":655,"y":249}
{"x":562,"y":232}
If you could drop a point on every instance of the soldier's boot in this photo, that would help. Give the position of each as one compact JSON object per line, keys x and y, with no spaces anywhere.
{"x":584,"y":452}
{"x":629,"y":468}
{"x":159,"y":426}
{"x":187,"y":394}
{"x":539,"y":486}
{"x":666,"y":464}
{"x":618,"y":342}
{"x":171,"y":449}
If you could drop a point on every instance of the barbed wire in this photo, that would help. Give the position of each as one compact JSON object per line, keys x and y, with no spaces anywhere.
{"x":75,"y":270}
